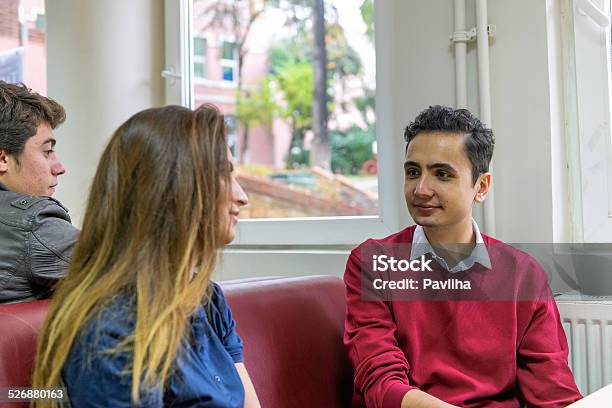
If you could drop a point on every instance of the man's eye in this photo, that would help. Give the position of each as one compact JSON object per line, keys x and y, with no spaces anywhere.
{"x":412,"y":173}
{"x":443,"y":175}
{"x":48,"y":152}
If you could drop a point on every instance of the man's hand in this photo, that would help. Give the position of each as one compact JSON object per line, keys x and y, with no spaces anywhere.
{"x":419,"y":399}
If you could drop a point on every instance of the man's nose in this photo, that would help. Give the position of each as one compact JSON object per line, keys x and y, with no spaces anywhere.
{"x":58,"y":168}
{"x":422,"y":188}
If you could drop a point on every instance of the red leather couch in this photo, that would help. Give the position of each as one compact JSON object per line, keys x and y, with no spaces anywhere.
{"x":291,"y":327}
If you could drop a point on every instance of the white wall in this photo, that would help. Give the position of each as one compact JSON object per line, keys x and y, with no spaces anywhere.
{"x":104,"y":60}
{"x":520,"y":99}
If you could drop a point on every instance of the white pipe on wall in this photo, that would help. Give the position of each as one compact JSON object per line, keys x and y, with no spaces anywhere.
{"x":484,"y":88}
{"x":460,"y":57}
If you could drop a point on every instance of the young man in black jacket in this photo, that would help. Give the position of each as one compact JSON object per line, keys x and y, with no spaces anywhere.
{"x":36,"y":236}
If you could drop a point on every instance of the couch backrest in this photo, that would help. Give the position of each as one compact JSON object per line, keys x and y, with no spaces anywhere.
{"x":19,"y":326}
{"x":292,"y":330}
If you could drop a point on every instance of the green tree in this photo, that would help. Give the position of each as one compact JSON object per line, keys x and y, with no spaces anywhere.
{"x":367,"y":13}
{"x":295,"y":81}
{"x":351,"y":149}
{"x":318,"y":44}
{"x":255,"y":107}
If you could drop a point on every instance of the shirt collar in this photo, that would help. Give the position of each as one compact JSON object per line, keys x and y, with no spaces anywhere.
{"x":420,"y":246}
{"x":3,"y":187}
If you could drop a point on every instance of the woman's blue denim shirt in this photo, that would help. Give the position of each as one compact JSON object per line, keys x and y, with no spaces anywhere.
{"x":204,"y":374}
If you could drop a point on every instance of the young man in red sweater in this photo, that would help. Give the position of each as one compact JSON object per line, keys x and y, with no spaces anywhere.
{"x":439,"y":315}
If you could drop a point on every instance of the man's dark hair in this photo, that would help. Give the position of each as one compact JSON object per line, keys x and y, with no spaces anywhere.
{"x":21,"y":112}
{"x":479,"y":140}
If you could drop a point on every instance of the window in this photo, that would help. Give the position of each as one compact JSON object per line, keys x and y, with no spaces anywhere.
{"x":276,"y":133}
{"x":587,"y":96}
{"x":229,"y":61}
{"x":199,"y":57}
{"x":310,"y":181}
{"x":22,"y":49}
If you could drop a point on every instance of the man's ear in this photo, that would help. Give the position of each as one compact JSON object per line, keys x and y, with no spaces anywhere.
{"x":4,"y":159}
{"x":483,"y":185}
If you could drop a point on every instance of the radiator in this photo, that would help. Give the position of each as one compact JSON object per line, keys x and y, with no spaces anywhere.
{"x":588,"y":327}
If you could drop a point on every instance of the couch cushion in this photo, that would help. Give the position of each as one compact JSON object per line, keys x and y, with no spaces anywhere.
{"x":19,"y":326}
{"x":292,"y":330}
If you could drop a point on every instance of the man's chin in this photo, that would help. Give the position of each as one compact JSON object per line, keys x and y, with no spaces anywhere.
{"x":425,"y":221}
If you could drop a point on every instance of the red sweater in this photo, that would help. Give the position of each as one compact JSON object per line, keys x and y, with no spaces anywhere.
{"x":501,"y":352}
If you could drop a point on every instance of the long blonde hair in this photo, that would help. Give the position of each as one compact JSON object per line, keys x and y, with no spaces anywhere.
{"x":150,"y":230}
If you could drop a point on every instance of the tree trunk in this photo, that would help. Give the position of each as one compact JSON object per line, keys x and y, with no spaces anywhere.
{"x":244,"y":146}
{"x":289,"y":164}
{"x":320,"y":153}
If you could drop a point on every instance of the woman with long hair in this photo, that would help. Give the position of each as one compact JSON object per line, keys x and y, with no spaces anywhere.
{"x":137,"y":321}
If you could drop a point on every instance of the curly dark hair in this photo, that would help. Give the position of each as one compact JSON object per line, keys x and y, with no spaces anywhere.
{"x":21,"y":112}
{"x":479,"y":141}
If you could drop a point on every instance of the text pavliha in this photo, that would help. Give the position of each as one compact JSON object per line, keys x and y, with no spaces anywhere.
{"x":424,"y":283}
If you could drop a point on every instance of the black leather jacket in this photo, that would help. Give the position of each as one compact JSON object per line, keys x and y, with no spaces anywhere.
{"x":36,"y":242}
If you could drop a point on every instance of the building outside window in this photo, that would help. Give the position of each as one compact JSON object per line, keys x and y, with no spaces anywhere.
{"x":229,"y":61}
{"x":199,"y":57}
{"x":22,"y":43}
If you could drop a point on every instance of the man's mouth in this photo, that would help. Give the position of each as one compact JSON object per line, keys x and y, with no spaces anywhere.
{"x":426,"y":205}
{"x":426,"y":209}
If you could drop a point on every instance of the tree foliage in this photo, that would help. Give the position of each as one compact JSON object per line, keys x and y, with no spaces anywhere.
{"x":352,"y":148}
{"x":295,"y":81}
{"x":367,"y":13}
{"x":255,"y":107}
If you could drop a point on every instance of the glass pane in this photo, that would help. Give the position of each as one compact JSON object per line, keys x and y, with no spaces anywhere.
{"x":22,"y":44}
{"x":228,"y":50}
{"x":228,"y":74}
{"x":198,"y":70}
{"x":199,"y":47}
{"x":291,"y":162}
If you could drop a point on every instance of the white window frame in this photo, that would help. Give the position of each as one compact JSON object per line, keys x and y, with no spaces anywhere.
{"x":587,"y":111}
{"x":178,"y":41}
{"x":318,"y":231}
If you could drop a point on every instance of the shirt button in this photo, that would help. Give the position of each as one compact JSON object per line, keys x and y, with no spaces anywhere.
{"x":217,"y":378}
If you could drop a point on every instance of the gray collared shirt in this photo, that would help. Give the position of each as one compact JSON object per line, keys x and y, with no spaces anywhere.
{"x":420,"y":246}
